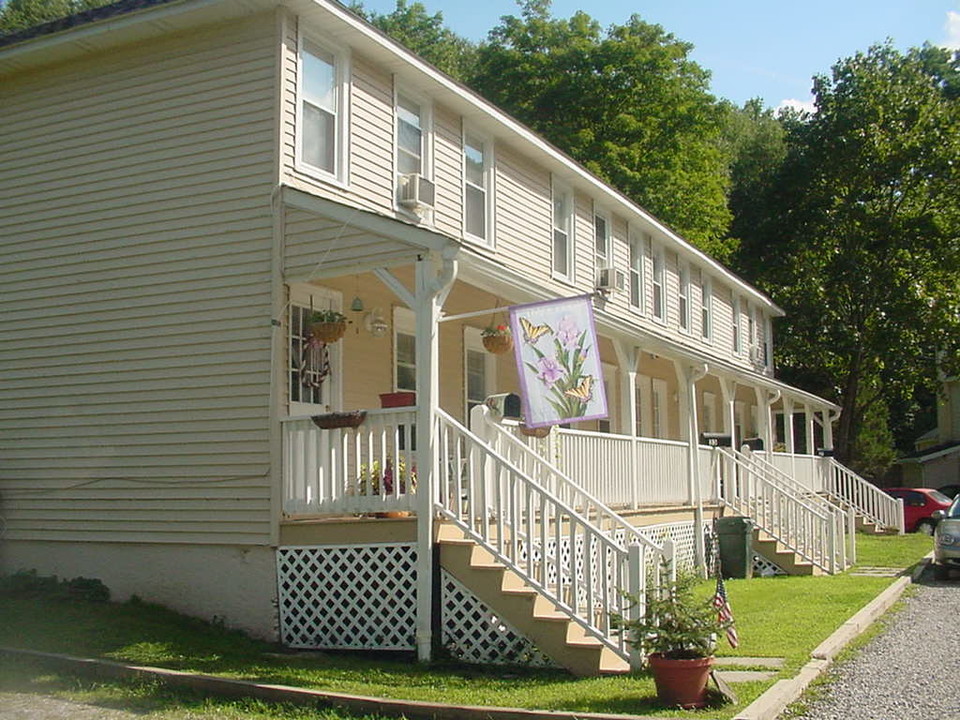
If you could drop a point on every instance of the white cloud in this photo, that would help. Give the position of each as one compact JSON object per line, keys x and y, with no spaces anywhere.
{"x":801,"y":105}
{"x":952,"y":26}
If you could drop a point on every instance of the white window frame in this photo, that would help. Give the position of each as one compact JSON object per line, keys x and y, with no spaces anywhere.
{"x":473,"y":342}
{"x":683,"y":295}
{"x":638,"y":257}
{"x":426,"y":138}
{"x":319,"y":298}
{"x":752,"y":336}
{"x":404,"y":323}
{"x":658,"y":282}
{"x":566,"y":225}
{"x":487,"y":149}
{"x":706,"y":308}
{"x":768,"y":341}
{"x":737,"y":330}
{"x":341,"y":64}
{"x":602,"y":259}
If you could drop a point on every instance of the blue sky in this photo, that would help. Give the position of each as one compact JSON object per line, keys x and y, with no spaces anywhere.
{"x":754,"y":48}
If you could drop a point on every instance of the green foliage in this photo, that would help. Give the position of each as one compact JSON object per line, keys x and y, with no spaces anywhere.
{"x":21,"y":14}
{"x":27,"y":583}
{"x":677,"y":624}
{"x":626,"y":102}
{"x":327,"y":316}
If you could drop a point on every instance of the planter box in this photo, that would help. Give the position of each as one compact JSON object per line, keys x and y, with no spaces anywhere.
{"x":398,"y":399}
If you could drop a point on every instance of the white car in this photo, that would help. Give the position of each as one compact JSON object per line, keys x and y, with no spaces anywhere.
{"x":946,"y":540}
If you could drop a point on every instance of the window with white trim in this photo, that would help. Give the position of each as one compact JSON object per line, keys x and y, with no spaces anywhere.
{"x":752,"y":330}
{"x":706,"y":308}
{"x":413,"y":133}
{"x":601,"y":237}
{"x":404,"y":350}
{"x":637,"y":289}
{"x":562,"y":232}
{"x":659,"y":301}
{"x":683,"y":272}
{"x":479,"y":370}
{"x":322,"y":110}
{"x":477,"y":188}
{"x":313,"y":370}
{"x":737,"y":315}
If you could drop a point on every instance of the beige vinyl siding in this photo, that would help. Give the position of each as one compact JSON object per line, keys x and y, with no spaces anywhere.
{"x":448,"y":172}
{"x":583,"y":242}
{"x":135,"y":261}
{"x":723,"y":320}
{"x":523,"y":215}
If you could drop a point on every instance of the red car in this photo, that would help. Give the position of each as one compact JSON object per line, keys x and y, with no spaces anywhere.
{"x":918,"y":507}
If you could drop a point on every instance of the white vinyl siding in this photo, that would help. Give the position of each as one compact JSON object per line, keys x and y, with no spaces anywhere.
{"x":706,"y":308}
{"x":683,"y":297}
{"x":134,"y":205}
{"x":737,"y":329}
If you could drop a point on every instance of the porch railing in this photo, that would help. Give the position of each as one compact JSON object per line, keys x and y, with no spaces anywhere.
{"x":803,"y":469}
{"x":580,"y":567}
{"x":367,"y":469}
{"x":867,"y":499}
{"x":814,"y":533}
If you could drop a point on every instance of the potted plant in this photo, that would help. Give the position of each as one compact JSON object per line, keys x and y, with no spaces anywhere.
{"x":497,"y":339}
{"x":372,"y":482}
{"x":327,"y":326}
{"x":678,"y":632}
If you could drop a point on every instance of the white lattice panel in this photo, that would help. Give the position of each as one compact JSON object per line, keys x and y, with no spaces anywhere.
{"x":474,"y":634}
{"x":765,"y":568}
{"x":348,"y":596}
{"x":683,"y":536}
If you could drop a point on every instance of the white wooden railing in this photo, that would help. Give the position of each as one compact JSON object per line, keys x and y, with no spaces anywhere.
{"x":581,"y":568}
{"x":866,"y":498}
{"x":803,"y":469}
{"x":367,"y":469}
{"x":815,"y":533}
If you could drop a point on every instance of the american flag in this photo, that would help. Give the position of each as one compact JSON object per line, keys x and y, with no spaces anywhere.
{"x":724,"y":613}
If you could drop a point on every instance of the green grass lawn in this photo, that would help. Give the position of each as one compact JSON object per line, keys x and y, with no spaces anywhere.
{"x":776,"y":617}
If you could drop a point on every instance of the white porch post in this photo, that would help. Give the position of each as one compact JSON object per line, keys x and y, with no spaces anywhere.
{"x":433,"y":282}
{"x":788,"y":425}
{"x":627,"y":357}
{"x":808,"y":421}
{"x":687,"y":378}
{"x":728,"y":389}
{"x":828,"y":419}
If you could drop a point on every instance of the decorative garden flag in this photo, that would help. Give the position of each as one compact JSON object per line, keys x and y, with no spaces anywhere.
{"x":558,"y":361}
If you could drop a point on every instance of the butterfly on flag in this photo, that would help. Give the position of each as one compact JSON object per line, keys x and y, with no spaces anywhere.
{"x":584,"y":391}
{"x":724,"y":613}
{"x":531,"y":332}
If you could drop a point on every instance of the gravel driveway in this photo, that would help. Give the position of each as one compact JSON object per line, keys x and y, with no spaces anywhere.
{"x":22,"y":706}
{"x":910,"y":672}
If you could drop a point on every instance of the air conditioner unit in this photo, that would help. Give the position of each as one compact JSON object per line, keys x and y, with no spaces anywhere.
{"x":416,"y":192}
{"x":756,"y":355}
{"x":611,"y":279}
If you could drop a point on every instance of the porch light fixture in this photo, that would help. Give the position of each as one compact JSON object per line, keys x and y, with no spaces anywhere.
{"x":375,"y":324}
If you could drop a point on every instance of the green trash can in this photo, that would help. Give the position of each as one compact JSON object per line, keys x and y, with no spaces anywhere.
{"x":735,"y":538}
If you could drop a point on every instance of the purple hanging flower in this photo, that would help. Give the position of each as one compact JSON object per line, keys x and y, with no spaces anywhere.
{"x":549,"y":371}
{"x":567,"y":332}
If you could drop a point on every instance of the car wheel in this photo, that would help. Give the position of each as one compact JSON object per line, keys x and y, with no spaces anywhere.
{"x":941,"y":572}
{"x":925,"y":527}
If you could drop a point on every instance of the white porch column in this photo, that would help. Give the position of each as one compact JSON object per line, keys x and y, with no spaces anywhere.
{"x":728,"y":389}
{"x":627,"y":357}
{"x":433,"y":281}
{"x":687,"y":377}
{"x":788,"y":425}
{"x":810,"y":448}
{"x":828,"y":418}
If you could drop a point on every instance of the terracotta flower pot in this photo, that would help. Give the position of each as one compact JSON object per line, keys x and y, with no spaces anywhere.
{"x":681,"y":683}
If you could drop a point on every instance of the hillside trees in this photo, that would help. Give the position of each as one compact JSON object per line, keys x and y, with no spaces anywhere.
{"x":857,"y":236}
{"x":18,"y":15}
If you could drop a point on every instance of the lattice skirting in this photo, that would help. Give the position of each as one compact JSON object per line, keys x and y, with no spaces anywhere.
{"x":348,"y":596}
{"x":683,"y":536}
{"x":473,"y":633}
{"x":765,"y":568}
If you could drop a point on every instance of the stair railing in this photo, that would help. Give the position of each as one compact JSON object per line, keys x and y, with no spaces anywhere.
{"x":579,"y":567}
{"x":812,"y":532}
{"x":869,"y":501}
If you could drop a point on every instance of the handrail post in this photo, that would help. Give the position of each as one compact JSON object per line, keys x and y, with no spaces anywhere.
{"x":635,"y":590}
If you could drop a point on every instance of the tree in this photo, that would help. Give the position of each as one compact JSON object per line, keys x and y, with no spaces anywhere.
{"x":426,"y":35}
{"x":860,"y":240}
{"x":16,"y":15}
{"x":627,"y":103}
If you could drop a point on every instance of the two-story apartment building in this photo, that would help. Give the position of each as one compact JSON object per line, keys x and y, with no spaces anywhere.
{"x":183,"y":182}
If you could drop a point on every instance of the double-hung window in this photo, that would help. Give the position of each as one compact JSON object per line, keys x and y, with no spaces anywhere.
{"x":637,"y":290}
{"x":737,"y":316}
{"x":601,"y":234}
{"x":684,"y":295}
{"x":562,"y":232}
{"x":322,"y":110}
{"x":706,"y":308}
{"x":413,"y":147}
{"x":478,"y":188}
{"x":659,"y":301}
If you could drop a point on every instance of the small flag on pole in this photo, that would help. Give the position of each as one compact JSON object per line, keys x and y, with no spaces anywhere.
{"x":724,"y":613}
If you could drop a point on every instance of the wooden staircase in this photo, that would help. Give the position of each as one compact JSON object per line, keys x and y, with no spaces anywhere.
{"x":787,"y":560}
{"x":554,"y":633}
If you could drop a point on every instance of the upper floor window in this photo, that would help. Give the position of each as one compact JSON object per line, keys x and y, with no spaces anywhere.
{"x":684,"y":295}
{"x":659,"y":302}
{"x":636,"y":271}
{"x":411,"y":136}
{"x":601,"y":234}
{"x":737,"y":314}
{"x":322,"y":110}
{"x":477,"y":188}
{"x":706,"y":308}
{"x":562,"y":232}
{"x":751,"y":329}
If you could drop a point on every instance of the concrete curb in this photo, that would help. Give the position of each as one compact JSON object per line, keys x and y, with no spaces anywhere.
{"x":358,"y":704}
{"x":775,"y":700}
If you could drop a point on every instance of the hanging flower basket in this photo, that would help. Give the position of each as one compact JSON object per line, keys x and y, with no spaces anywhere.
{"x":535,"y":432}
{"x":330,"y":421}
{"x":328,"y":332}
{"x":497,"y":339}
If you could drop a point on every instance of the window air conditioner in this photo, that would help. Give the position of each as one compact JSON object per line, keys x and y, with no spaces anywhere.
{"x":611,"y":279}
{"x":756,"y":355}
{"x":416,"y":192}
